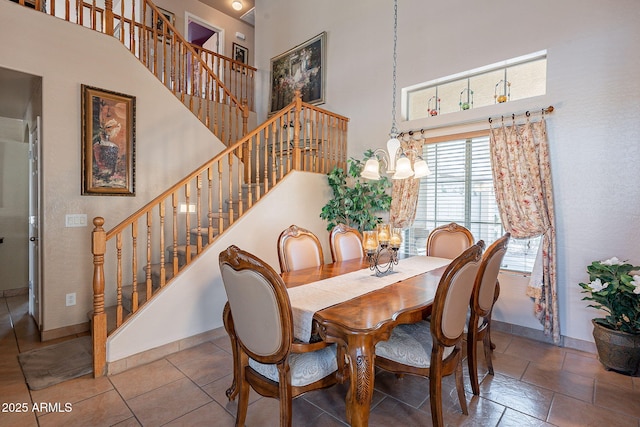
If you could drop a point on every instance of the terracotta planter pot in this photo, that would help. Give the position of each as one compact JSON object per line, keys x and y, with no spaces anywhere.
{"x":617,"y":351}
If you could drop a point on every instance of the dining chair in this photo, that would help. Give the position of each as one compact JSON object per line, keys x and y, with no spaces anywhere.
{"x":448,"y":241}
{"x":259,"y":322}
{"x":345,"y":243}
{"x":299,"y":248}
{"x":433,"y":348}
{"x":485,"y":293}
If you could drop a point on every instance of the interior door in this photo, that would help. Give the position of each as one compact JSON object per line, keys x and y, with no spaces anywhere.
{"x":35,"y":290}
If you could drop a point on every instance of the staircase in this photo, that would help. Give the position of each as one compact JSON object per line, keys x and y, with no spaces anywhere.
{"x":146,"y":251}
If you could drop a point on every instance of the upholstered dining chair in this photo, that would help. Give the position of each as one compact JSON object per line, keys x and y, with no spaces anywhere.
{"x":259,"y":322}
{"x":299,"y":248}
{"x":345,"y":243}
{"x":434,"y":349}
{"x":485,"y":293}
{"x":448,"y":241}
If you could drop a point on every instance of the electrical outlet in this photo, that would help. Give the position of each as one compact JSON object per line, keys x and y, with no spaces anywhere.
{"x":71,"y":299}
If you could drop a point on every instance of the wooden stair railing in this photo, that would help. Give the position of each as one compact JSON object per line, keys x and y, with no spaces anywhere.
{"x":186,"y":70}
{"x":235,"y":75}
{"x":160,"y":239}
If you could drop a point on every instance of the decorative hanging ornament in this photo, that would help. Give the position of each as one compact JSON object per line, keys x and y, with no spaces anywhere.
{"x":466,"y":99}
{"x":436,"y":106}
{"x":505,"y":91}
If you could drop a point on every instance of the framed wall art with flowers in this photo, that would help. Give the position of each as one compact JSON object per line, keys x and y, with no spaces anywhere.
{"x":300,"y":68}
{"x":108,"y":142}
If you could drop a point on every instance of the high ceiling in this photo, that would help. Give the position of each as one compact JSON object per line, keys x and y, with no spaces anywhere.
{"x":224,"y":6}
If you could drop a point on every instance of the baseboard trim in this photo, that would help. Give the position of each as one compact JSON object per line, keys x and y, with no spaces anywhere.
{"x":158,"y":353}
{"x":4,"y":293}
{"x":538,"y":335}
{"x":66,"y":331}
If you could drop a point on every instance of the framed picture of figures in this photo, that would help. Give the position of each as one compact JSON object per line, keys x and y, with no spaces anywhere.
{"x":108,"y":142}
{"x":301,"y":68}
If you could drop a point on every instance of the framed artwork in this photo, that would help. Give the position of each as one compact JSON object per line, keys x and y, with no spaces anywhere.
{"x":159,"y":25}
{"x":300,"y":68}
{"x":240,"y":53}
{"x":108,"y":142}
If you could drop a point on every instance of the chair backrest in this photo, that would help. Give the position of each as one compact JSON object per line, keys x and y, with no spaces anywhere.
{"x":448,"y":241}
{"x":451,"y":303}
{"x":299,"y":248}
{"x":345,"y":243}
{"x":259,"y":305}
{"x":487,"y":278}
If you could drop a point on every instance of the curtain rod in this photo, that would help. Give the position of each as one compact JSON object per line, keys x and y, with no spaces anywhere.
{"x":527,"y":113}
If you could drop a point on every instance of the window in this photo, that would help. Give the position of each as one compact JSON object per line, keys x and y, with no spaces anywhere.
{"x":461,"y":190}
{"x":517,"y":78}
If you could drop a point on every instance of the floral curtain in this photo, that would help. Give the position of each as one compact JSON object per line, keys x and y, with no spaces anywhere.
{"x":404,"y":193}
{"x":522,"y":180}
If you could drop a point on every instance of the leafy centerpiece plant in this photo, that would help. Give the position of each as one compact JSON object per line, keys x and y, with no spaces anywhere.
{"x":356,"y":201}
{"x":614,"y":287}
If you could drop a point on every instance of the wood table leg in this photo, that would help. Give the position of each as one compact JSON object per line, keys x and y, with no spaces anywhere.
{"x":362,"y":368}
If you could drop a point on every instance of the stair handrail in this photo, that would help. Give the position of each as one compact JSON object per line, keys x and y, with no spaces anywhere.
{"x":203,"y":112}
{"x":182,"y":70}
{"x":244,"y":82}
{"x":262,"y":158}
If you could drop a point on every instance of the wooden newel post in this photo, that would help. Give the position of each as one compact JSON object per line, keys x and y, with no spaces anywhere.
{"x":108,"y":17}
{"x":297,"y":124}
{"x":99,"y":318}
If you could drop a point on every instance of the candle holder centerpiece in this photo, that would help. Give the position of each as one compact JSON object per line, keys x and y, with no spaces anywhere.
{"x":381,"y":246}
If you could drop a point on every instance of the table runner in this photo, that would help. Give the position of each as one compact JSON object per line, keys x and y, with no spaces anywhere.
{"x":315,"y":296}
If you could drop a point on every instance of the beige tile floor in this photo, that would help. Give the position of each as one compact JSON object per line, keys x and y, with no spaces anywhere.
{"x":535,"y":384}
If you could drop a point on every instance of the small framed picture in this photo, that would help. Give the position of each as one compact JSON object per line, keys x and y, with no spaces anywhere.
{"x":160,"y":23}
{"x":108,"y":142}
{"x":240,"y":53}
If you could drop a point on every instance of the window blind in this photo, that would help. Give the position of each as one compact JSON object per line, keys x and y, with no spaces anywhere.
{"x":460,"y":190}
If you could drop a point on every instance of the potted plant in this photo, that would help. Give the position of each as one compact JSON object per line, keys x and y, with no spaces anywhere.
{"x":356,"y":201}
{"x":614,"y":288}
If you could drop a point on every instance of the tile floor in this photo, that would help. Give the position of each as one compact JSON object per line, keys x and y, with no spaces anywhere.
{"x":536,"y":384}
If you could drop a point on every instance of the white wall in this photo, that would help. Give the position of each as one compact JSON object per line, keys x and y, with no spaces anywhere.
{"x":593,"y":64}
{"x":193,"y":303}
{"x":170,"y":142}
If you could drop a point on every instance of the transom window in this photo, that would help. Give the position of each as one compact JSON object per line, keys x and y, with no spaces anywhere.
{"x":517,"y":78}
{"x":461,"y":190}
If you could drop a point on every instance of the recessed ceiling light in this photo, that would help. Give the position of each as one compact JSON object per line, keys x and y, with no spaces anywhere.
{"x":237,"y":5}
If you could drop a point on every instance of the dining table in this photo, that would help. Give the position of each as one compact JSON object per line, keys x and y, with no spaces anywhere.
{"x":347,"y":304}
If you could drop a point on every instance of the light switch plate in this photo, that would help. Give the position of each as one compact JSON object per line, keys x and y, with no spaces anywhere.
{"x":70,"y":299}
{"x":75,"y":220}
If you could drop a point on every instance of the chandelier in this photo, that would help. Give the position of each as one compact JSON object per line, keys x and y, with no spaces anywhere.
{"x":397,"y":164}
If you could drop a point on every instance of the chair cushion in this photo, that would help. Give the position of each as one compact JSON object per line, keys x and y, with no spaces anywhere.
{"x":410,"y":345}
{"x":305,"y":368}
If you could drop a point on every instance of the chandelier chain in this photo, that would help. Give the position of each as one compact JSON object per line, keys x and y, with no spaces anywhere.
{"x":394,"y":129}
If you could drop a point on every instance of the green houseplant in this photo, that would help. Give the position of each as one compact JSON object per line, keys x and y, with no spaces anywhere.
{"x":356,"y":201}
{"x":614,"y":288}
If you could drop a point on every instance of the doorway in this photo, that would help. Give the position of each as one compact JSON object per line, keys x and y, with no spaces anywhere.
{"x":204,"y":34}
{"x":20,"y":127}
{"x":208,"y":36}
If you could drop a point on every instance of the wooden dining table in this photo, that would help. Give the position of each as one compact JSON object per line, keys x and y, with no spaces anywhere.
{"x":359,"y":323}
